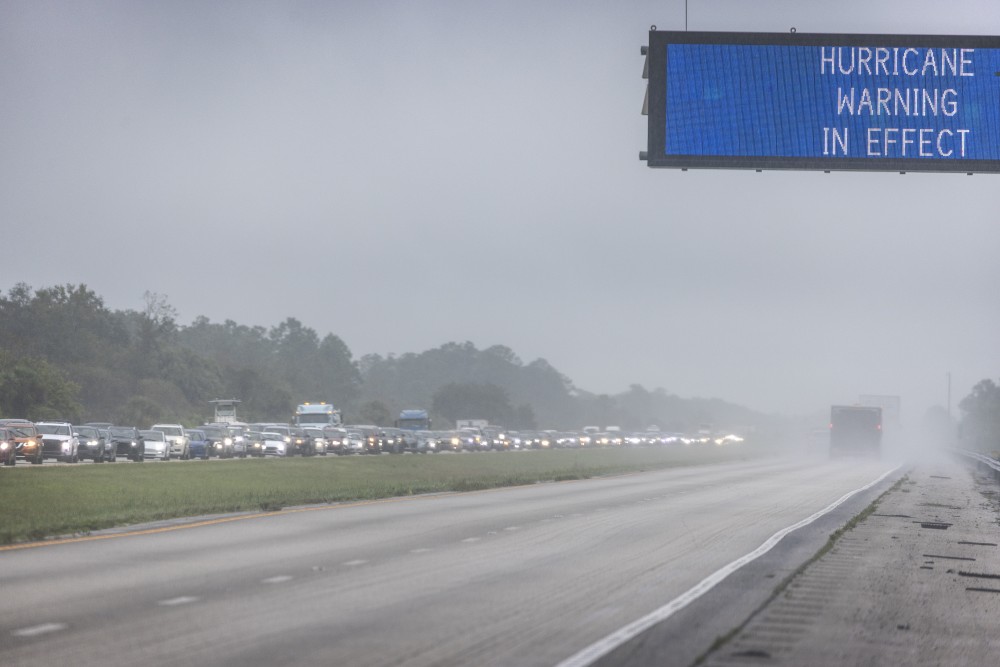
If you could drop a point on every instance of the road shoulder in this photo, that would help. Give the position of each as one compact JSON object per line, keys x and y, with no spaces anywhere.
{"x":916,"y":582}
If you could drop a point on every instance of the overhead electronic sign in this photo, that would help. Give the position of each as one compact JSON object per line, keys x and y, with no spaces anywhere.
{"x":823,"y":102}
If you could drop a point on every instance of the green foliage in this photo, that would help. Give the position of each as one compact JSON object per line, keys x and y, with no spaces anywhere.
{"x":141,"y":366}
{"x":980,"y":425}
{"x":469,"y":400}
{"x":32,"y":388}
{"x":375,"y":412}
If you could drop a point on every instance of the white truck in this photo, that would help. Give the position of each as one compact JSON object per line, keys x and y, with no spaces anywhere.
{"x":317,"y":415}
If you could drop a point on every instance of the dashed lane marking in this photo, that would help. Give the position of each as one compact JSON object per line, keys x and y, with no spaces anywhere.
{"x":421,"y":550}
{"x":175,"y":602}
{"x":43,"y":629}
{"x":280,"y":579}
{"x":357,"y":561}
{"x":471,"y":539}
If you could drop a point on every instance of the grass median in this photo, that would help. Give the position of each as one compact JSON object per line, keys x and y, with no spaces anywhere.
{"x":44,"y":501}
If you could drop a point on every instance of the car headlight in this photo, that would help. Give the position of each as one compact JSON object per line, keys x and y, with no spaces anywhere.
{"x":218,"y":445}
{"x":4,"y":446}
{"x":228,"y":441}
{"x":287,"y":439}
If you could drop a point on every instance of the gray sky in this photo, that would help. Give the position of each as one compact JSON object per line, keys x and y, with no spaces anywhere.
{"x":405,"y":174}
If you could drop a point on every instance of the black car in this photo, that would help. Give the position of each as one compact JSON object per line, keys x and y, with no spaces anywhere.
{"x":301,"y":443}
{"x":93,"y":444}
{"x":126,"y":441}
{"x":394,"y":440}
{"x":336,"y":439}
{"x":220,"y":441}
{"x":255,"y":443}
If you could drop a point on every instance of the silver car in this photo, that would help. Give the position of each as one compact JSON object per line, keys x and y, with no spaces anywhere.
{"x":178,"y":439}
{"x":157,"y":445}
{"x":274,"y":444}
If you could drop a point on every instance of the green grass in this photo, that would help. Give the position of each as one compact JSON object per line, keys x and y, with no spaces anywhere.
{"x":45,"y":501}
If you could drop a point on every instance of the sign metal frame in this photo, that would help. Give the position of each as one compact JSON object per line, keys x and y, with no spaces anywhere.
{"x":656,"y":155}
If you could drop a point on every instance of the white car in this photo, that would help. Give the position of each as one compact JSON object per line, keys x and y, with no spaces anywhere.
{"x":58,"y":441}
{"x":180,"y":444}
{"x":354,"y":443}
{"x":157,"y":445}
{"x":274,"y":444}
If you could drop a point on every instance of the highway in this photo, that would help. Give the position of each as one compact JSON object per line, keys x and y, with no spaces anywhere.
{"x":517,"y":576}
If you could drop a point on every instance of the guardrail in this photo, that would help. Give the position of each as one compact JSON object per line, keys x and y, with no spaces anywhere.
{"x":982,"y":459}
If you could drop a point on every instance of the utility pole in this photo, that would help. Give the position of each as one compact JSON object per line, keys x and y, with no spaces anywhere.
{"x":949,"y":395}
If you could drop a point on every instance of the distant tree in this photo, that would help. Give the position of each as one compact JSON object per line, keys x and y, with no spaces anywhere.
{"x":473,"y":401}
{"x":32,"y":388}
{"x":375,"y":412}
{"x":139,"y":411}
{"x":338,"y":372}
{"x":524,"y":418}
{"x":980,"y":425}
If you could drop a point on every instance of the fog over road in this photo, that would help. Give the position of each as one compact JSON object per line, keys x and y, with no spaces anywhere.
{"x":524,"y":575}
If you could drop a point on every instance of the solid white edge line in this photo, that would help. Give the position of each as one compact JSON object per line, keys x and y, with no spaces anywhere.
{"x":602,"y":647}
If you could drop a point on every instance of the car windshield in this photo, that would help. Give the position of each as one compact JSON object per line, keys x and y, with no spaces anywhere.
{"x":121,"y":432}
{"x":155,"y":436}
{"x":170,"y":430}
{"x":87,"y":432}
{"x":53,"y":429}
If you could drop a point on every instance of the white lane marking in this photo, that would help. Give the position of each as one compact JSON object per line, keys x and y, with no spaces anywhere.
{"x":421,"y":550}
{"x":42,"y":629}
{"x":471,"y":539}
{"x":602,"y":647}
{"x":173,"y":602}
{"x":512,"y":528}
{"x":280,"y":579}
{"x":358,"y":561}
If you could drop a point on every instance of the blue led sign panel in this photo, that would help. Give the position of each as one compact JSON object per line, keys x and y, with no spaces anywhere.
{"x":832,"y":102}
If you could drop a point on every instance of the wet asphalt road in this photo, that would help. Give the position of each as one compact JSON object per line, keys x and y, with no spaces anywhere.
{"x":516,"y":576}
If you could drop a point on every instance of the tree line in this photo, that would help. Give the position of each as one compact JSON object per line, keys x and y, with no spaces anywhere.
{"x":65,"y":355}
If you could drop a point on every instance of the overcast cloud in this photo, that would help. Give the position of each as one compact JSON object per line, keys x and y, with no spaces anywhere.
{"x":405,"y":174}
